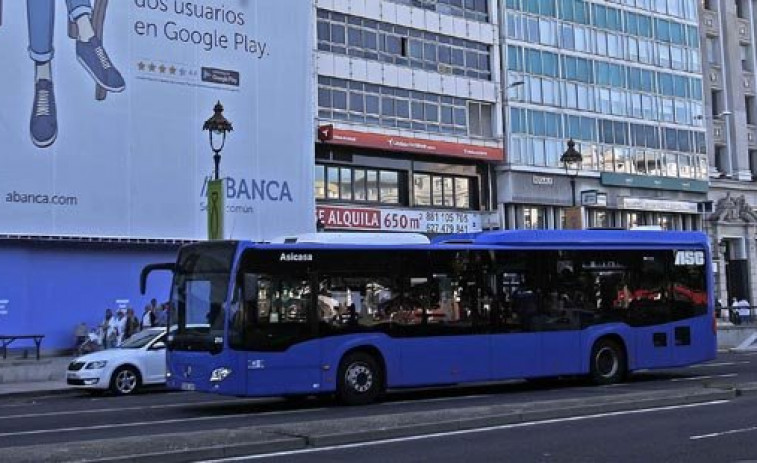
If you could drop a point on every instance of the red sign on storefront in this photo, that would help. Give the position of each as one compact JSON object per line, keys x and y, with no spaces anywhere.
{"x":350,"y":218}
{"x":412,"y":145}
{"x":398,"y":220}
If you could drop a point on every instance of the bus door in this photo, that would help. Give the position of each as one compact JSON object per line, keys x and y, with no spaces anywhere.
{"x":282,"y":353}
{"x":442,"y":319}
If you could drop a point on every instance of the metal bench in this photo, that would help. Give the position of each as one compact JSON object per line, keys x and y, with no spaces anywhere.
{"x":8,"y":339}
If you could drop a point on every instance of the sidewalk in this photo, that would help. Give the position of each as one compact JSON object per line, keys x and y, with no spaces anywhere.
{"x":20,"y":376}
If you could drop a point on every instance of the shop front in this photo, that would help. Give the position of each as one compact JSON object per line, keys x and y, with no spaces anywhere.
{"x":379,"y":182}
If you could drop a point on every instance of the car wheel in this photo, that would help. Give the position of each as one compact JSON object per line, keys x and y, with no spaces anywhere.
{"x":608,"y":362}
{"x":125,"y":380}
{"x":360,"y":379}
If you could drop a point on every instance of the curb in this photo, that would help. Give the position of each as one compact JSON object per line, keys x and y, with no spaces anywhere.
{"x":38,"y":393}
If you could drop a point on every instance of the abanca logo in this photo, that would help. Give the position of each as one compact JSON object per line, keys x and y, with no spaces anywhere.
{"x":292,"y":257}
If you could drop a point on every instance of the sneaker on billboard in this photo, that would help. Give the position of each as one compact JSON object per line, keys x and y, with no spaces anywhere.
{"x":44,"y":122}
{"x":95,"y":60}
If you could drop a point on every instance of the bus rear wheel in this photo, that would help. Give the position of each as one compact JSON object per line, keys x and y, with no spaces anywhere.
{"x":608,"y":362}
{"x":360,"y":379}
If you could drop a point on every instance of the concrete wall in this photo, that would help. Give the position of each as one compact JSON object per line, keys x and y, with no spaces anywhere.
{"x":48,"y":288}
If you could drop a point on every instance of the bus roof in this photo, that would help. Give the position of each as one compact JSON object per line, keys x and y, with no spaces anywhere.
{"x":578,"y":238}
{"x":354,"y":238}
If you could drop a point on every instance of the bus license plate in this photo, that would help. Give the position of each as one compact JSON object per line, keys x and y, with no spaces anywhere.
{"x":187,"y":386}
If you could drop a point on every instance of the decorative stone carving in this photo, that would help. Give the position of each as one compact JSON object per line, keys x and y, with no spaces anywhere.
{"x":728,"y":209}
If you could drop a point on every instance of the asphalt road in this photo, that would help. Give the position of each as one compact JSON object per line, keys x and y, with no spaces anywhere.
{"x":77,"y":416}
{"x":709,"y":432}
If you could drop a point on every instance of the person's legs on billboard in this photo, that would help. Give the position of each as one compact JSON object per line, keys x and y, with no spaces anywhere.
{"x":43,"y":125}
{"x":89,"y":48}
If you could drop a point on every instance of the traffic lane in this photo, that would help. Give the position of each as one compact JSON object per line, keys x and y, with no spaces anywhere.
{"x":125,"y":416}
{"x":726,"y":369}
{"x":417,"y":399}
{"x":716,"y":431}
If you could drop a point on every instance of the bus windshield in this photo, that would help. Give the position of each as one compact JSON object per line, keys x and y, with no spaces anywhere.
{"x":198,"y":296}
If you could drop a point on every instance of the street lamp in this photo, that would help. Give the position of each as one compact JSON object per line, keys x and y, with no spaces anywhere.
{"x":217,"y":125}
{"x":571,"y":160}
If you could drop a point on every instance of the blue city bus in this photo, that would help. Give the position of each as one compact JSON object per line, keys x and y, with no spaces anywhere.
{"x":357,"y":314}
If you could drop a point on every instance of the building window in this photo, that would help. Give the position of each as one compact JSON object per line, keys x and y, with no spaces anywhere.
{"x":750,"y":109}
{"x":746,"y":57}
{"x":388,"y":43}
{"x":477,"y":10}
{"x":480,"y":115}
{"x":391,"y":107}
{"x":533,"y":218}
{"x":742,"y":8}
{"x":599,"y":218}
{"x":444,"y":191}
{"x":357,"y":184}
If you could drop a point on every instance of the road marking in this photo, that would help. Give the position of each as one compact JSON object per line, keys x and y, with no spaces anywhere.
{"x":439,"y":399}
{"x":463,"y":432}
{"x":718,"y":364}
{"x":723,"y":433}
{"x":695,"y":378}
{"x":149,"y":423}
{"x":120,"y":409}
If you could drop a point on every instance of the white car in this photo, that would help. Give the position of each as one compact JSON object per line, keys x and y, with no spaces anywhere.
{"x":139,"y":361}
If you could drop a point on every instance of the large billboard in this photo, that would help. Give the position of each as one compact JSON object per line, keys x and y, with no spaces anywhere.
{"x":102,"y":106}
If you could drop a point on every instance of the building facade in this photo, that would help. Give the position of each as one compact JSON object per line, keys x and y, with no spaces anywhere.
{"x":408,"y":114}
{"x":623,"y":79}
{"x":729,"y":40}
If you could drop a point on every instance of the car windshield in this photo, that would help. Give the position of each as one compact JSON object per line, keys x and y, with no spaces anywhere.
{"x":141,"y":339}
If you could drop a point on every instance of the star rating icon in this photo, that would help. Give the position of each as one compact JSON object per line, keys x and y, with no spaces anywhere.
{"x":169,"y":69}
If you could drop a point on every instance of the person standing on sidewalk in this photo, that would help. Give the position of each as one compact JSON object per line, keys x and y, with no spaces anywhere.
{"x":735,"y":315}
{"x":744,"y":310}
{"x":148,"y":316}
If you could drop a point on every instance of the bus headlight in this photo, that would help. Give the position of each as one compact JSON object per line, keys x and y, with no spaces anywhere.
{"x":219,"y":374}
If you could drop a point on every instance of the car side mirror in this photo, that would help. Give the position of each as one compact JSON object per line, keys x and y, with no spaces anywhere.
{"x":158,"y":345}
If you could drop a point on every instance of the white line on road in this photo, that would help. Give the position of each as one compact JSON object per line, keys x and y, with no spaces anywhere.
{"x":695,"y":378}
{"x":149,"y":423}
{"x":463,"y":432}
{"x":122,"y":409}
{"x":723,"y":433}
{"x":439,"y":399}
{"x":718,"y":364}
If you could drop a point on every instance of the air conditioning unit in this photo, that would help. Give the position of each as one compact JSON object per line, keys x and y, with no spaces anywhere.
{"x":444,"y":68}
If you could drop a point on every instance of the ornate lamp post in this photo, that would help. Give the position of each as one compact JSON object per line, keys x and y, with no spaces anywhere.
{"x":217,"y":126}
{"x":571,"y":160}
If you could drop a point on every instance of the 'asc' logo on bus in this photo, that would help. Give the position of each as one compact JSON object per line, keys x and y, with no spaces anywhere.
{"x":689,"y":258}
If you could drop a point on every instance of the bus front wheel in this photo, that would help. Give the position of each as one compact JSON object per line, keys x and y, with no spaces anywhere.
{"x":359,"y":379}
{"x":608,"y":362}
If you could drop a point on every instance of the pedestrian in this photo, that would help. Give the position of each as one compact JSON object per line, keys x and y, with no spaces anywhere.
{"x":132,"y":323}
{"x":161,"y":317}
{"x":120,"y":326}
{"x":106,"y":328}
{"x":80,"y":334}
{"x":148,"y":316}
{"x":735,"y":315}
{"x":745,"y":310}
